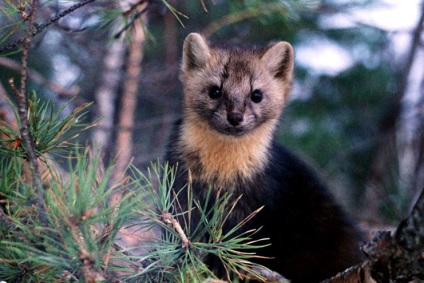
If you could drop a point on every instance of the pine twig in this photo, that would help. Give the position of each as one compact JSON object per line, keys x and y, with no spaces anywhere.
{"x":204,"y":5}
{"x":270,"y":276}
{"x":89,"y":272}
{"x":170,"y":220}
{"x":5,"y":219}
{"x":40,"y":28}
{"x":38,"y":78}
{"x":359,"y":273}
{"x":13,"y":228}
{"x":133,"y":8}
{"x":36,"y":29}
{"x":134,"y":18}
{"x":27,"y":138}
{"x":31,"y":153}
{"x":241,"y":16}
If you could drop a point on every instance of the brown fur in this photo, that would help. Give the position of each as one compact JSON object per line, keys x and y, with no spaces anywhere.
{"x":224,"y":156}
{"x":221,"y":157}
{"x":225,"y":139}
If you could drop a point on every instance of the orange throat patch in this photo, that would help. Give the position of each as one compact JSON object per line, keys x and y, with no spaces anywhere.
{"x":222,"y":159}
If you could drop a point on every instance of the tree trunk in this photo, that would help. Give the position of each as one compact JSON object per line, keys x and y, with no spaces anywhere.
{"x":399,"y":133}
{"x":128,"y":101}
{"x":171,"y":60}
{"x":411,"y":124}
{"x":105,"y":97}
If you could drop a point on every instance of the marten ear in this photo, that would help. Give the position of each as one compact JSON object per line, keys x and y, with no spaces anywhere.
{"x":195,"y":52}
{"x":279,"y":60}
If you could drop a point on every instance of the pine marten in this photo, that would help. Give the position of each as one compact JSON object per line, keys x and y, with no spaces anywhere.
{"x":233,"y":98}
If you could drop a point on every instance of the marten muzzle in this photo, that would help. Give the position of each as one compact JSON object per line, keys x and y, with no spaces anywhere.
{"x":235,"y":118}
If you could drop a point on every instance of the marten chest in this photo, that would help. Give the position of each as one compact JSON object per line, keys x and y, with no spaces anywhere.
{"x":222,"y":162}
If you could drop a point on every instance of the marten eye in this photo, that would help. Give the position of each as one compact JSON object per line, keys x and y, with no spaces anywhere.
{"x":256,"y":96}
{"x":215,"y":92}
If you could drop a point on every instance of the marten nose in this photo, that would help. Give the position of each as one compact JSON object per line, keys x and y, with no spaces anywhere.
{"x":235,"y":118}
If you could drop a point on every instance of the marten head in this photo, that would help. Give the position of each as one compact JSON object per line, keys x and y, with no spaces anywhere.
{"x":235,"y":90}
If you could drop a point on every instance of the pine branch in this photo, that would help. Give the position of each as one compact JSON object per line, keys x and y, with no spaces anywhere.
{"x":5,"y":219}
{"x":30,"y":150}
{"x":38,"y":78}
{"x":392,"y":258}
{"x":36,"y":29}
{"x":359,"y":273}
{"x":89,"y":271}
{"x":170,"y":220}
{"x":270,"y":276}
{"x":134,"y":18}
{"x":26,"y":135}
{"x":204,"y":5}
{"x":242,"y":16}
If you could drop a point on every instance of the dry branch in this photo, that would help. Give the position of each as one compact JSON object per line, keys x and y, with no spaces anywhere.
{"x":5,"y":219}
{"x":36,"y":29}
{"x":241,"y":16}
{"x":359,"y":273}
{"x":394,"y":257}
{"x":134,"y":18}
{"x":270,"y":276}
{"x":171,"y":221}
{"x":38,"y":78}
{"x":398,"y":257}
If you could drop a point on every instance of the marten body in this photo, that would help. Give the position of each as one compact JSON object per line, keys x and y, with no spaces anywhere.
{"x":232,"y":102}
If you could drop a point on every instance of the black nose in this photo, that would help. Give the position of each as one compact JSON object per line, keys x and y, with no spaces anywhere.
{"x":235,"y":118}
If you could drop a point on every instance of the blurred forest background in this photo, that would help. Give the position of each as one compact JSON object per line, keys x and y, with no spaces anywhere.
{"x":356,"y":111}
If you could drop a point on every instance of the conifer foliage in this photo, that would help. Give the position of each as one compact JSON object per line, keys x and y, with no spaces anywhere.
{"x":76,"y":237}
{"x":64,"y":215}
{"x":61,"y":224}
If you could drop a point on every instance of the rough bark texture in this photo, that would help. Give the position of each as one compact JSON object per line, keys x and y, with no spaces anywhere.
{"x":398,"y":257}
{"x":359,"y":273}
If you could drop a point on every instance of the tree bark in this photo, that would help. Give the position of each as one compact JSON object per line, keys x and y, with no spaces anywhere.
{"x":128,"y":102}
{"x":171,"y":60}
{"x":392,"y":257}
{"x":398,"y":257}
{"x":105,"y":97}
